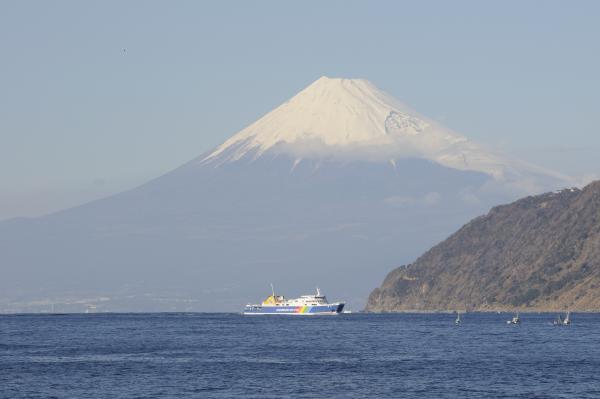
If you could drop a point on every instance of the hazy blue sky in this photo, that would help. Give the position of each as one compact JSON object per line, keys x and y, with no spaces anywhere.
{"x":82,"y":117}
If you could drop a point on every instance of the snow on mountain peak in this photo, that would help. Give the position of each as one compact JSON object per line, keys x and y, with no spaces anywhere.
{"x":353,"y":119}
{"x":335,"y":112}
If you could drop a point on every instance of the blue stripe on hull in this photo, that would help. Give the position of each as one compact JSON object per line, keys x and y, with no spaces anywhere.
{"x":295,"y":310}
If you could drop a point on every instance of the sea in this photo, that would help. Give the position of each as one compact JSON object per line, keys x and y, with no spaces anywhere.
{"x":194,"y":355}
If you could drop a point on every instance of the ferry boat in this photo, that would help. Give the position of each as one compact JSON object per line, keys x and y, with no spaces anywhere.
{"x":305,"y":305}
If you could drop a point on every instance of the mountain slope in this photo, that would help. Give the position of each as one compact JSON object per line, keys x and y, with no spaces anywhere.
{"x":329,"y":189}
{"x":540,"y":252}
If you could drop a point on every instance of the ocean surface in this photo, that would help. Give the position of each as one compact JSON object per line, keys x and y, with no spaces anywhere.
{"x":347,"y":356}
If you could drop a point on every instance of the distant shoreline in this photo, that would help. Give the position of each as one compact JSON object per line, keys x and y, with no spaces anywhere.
{"x":415,"y":312}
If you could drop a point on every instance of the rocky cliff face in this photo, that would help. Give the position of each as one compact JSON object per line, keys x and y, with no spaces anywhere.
{"x":538,"y":253}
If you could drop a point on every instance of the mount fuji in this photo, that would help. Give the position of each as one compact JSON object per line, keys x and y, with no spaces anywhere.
{"x":334,"y":188}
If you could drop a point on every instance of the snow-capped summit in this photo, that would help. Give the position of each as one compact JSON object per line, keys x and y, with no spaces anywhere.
{"x":353,"y":119}
{"x":337,"y":112}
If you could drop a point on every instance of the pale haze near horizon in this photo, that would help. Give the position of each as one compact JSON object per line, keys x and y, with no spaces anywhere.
{"x":98,"y":98}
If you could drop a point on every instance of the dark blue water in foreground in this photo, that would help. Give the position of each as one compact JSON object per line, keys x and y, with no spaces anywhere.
{"x":348,"y":356}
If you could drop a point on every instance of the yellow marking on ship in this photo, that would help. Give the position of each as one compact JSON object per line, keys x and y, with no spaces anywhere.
{"x":269,"y":301}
